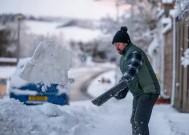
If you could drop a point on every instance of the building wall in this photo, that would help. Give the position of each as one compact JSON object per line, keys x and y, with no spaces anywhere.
{"x":168,"y":61}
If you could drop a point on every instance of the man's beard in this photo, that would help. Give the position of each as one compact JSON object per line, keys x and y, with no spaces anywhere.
{"x":121,"y":52}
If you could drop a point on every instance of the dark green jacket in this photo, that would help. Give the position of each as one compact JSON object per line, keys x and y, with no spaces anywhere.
{"x":145,"y":81}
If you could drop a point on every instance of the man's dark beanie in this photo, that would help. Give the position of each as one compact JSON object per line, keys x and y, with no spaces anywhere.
{"x":122,"y":36}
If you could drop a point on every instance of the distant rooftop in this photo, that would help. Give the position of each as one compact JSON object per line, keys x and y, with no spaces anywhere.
{"x":7,"y":61}
{"x":167,"y":1}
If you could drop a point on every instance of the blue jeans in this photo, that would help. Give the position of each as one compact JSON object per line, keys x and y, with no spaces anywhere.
{"x":141,"y":113}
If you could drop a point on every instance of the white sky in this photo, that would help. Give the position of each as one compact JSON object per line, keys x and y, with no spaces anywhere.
{"x":81,"y":9}
{"x":64,"y":8}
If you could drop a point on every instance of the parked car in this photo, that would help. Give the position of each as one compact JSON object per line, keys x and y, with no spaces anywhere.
{"x":33,"y":94}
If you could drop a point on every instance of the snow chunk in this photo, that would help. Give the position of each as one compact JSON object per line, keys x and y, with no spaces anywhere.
{"x":185,"y":59}
{"x":49,"y":64}
{"x":100,"y":85}
{"x":50,"y":110}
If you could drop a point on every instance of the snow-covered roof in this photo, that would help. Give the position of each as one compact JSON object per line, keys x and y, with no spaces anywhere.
{"x":167,"y":28}
{"x":7,"y":71}
{"x":160,"y":13}
{"x":165,"y":20}
{"x":167,"y":1}
{"x":184,"y":11}
{"x":174,"y":13}
{"x":69,"y":33}
{"x":181,"y":9}
{"x":4,"y":59}
{"x":153,"y":45}
{"x":168,"y":24}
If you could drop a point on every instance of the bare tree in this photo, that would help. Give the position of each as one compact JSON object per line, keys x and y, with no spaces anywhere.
{"x":4,"y":42}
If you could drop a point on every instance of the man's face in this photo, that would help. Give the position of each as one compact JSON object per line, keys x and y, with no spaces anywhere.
{"x":120,"y":47}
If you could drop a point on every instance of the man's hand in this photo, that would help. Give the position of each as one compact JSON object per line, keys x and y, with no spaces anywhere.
{"x":104,"y":97}
{"x":122,"y":94}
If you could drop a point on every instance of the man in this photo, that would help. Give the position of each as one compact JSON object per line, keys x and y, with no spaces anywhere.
{"x":141,"y":79}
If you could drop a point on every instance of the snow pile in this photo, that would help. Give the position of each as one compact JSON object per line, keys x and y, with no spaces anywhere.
{"x":185,"y":58}
{"x":49,"y":64}
{"x":17,"y":119}
{"x":15,"y":80}
{"x":77,"y":119}
{"x":50,"y":110}
{"x":83,"y":118}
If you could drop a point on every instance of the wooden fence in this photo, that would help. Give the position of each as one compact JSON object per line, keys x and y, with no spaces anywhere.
{"x":181,"y":101}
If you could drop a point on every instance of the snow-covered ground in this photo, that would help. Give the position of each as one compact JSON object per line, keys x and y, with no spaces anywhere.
{"x":83,"y":118}
{"x":165,"y":119}
{"x":69,"y":33}
{"x":80,"y":118}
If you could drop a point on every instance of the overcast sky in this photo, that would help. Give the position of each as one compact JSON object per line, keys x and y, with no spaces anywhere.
{"x":82,"y":9}
{"x":63,"y":8}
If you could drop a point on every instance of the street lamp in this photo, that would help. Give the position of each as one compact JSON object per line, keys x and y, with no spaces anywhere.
{"x":117,"y":10}
{"x":131,"y":2}
{"x":19,"y":18}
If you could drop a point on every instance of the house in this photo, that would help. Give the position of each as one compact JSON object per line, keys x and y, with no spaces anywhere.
{"x":174,"y":77}
{"x":7,"y":68}
{"x":161,"y":50}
